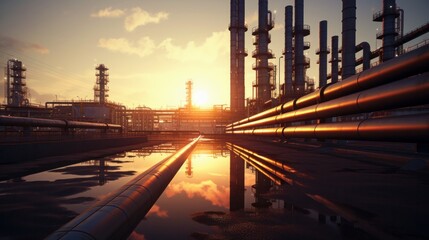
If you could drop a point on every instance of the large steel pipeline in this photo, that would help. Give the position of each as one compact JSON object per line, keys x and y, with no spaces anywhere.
{"x":31,"y":122}
{"x":407,"y":92}
{"x":116,"y":216}
{"x":55,"y":123}
{"x":410,"y":128}
{"x":411,"y":63}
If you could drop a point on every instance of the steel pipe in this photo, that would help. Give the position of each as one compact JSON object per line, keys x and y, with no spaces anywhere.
{"x":411,"y":128}
{"x":323,"y":52}
{"x":288,"y":90}
{"x":408,"y":92}
{"x":334,"y":59}
{"x":299,"y":60}
{"x":116,"y":216}
{"x":275,"y":175}
{"x":348,"y":38}
{"x":411,"y":63}
{"x":366,"y":56}
{"x":31,"y":122}
{"x":42,"y":122}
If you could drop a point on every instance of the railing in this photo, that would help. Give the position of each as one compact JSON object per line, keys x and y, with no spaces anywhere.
{"x":399,"y":82}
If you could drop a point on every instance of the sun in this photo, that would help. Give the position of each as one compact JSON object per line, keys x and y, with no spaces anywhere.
{"x":200,"y":98}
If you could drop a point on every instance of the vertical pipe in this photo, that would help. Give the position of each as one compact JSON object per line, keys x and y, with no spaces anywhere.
{"x":401,"y":29}
{"x":323,"y":52}
{"x":288,"y":87}
{"x":233,"y":59}
{"x":241,"y":54}
{"x":8,"y":83}
{"x":348,"y":38}
{"x":366,"y":48}
{"x":236,"y":182}
{"x":334,"y":60}
{"x":299,"y":48}
{"x":389,"y":33}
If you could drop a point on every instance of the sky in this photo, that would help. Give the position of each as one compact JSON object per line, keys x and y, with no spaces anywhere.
{"x":153,"y":47}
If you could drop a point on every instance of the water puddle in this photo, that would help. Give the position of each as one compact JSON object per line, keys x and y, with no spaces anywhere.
{"x":222,"y":191}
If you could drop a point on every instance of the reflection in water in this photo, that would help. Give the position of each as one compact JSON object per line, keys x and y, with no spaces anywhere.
{"x":189,"y":166}
{"x":156,"y":210}
{"x":226,"y":197}
{"x":217,"y":195}
{"x":261,"y":187}
{"x":274,"y":183}
{"x":34,"y":206}
{"x":236,"y":183}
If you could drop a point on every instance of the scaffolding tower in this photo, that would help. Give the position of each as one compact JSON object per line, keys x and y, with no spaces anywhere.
{"x":100,"y":88}
{"x":16,"y":90}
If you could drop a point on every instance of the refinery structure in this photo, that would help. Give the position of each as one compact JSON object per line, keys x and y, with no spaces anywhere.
{"x":341,"y":155}
{"x":342,"y":58}
{"x":335,"y":63}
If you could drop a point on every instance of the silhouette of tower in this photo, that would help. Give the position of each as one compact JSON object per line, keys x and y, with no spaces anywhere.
{"x":100,"y":88}
{"x":237,"y":28}
{"x":16,"y":90}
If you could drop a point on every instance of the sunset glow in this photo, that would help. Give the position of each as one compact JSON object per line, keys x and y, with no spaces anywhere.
{"x":153,"y":47}
{"x":201,"y":98}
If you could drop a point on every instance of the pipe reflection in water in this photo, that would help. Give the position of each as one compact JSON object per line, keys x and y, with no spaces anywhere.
{"x":236,"y":183}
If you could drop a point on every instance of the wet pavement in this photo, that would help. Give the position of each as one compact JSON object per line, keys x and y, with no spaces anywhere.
{"x":237,"y":190}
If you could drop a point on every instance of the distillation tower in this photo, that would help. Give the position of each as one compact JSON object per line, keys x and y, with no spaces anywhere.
{"x":189,"y":95}
{"x":16,"y":90}
{"x":100,"y":88}
{"x":265,"y":78}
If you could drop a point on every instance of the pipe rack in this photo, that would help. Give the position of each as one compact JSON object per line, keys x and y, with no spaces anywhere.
{"x":399,"y":82}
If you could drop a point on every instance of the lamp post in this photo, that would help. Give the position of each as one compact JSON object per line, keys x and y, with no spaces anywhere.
{"x":279,"y":75}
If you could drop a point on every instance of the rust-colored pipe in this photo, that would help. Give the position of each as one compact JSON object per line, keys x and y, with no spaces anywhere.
{"x":411,"y":128}
{"x":42,"y":122}
{"x":407,"y":92}
{"x":411,"y":63}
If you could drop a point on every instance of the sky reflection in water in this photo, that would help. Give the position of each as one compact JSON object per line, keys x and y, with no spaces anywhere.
{"x":39,"y":204}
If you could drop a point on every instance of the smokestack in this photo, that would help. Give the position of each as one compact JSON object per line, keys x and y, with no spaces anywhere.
{"x":241,"y":54}
{"x":323,"y":52}
{"x":348,"y":38}
{"x":334,"y":60}
{"x":299,"y":49}
{"x":389,"y":33}
{"x":288,"y":87}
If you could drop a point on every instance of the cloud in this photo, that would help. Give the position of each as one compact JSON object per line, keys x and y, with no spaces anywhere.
{"x":108,"y":13}
{"x":143,"y":47}
{"x":252,"y":19}
{"x":208,"y":51}
{"x":214,"y":46}
{"x":217,"y":195}
{"x":140,"y":17}
{"x":8,"y":43}
{"x":156,"y":210}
